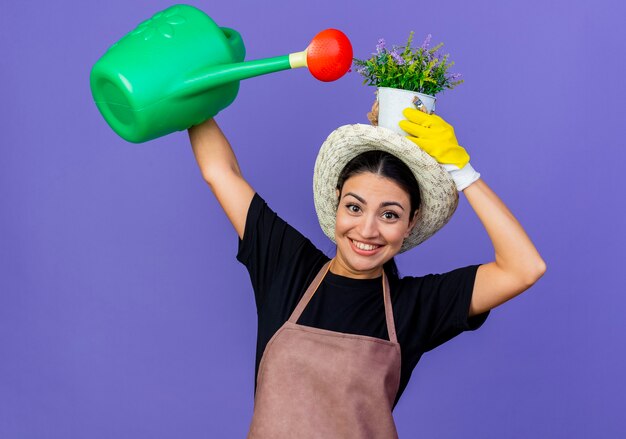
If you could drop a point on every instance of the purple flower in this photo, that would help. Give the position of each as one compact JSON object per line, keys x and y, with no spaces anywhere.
{"x":426,"y":43}
{"x":397,"y":58}
{"x":362,"y":70}
{"x":380,"y":46}
{"x":455,"y":77}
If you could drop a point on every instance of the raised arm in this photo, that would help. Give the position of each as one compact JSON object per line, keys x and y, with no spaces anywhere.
{"x":517,"y":265}
{"x":220,"y":170}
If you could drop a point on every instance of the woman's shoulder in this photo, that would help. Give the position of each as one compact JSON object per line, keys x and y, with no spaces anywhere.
{"x":426,"y":283}
{"x":260,"y":209}
{"x":267,"y":233}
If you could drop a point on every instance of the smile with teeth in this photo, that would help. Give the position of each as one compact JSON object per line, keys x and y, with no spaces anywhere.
{"x":363,"y":246}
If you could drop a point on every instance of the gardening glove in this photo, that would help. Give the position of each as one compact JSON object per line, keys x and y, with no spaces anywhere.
{"x":435,"y":136}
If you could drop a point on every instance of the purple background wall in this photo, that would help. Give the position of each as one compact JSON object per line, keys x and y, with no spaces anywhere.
{"x":123,"y":312}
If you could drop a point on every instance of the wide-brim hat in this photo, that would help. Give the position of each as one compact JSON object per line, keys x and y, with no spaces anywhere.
{"x":439,"y":196}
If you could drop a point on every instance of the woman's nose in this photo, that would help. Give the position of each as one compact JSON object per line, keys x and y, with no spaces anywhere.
{"x":369,"y":226}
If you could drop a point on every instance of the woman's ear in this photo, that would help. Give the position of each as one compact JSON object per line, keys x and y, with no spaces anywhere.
{"x":412,"y":224}
{"x":337,"y":193}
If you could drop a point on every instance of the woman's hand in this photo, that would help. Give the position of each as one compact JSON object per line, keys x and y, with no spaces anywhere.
{"x":372,"y":116}
{"x":435,"y":136}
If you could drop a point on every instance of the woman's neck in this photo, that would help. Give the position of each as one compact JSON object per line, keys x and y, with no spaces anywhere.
{"x":339,"y":268}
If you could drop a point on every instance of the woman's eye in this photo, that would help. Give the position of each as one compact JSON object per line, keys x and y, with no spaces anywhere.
{"x":353,"y":208}
{"x":390,"y":215}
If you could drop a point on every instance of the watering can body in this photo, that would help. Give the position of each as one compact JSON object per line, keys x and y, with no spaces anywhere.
{"x":168,"y":74}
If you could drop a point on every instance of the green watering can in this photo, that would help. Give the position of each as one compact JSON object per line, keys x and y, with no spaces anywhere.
{"x":179,"y":68}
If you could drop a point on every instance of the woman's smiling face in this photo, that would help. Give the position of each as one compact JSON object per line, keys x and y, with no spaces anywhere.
{"x":373,"y":218}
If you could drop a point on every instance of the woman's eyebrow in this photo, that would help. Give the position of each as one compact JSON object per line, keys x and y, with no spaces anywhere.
{"x":383,"y":204}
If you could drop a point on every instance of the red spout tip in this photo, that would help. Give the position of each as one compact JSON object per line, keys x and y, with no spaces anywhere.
{"x":329,"y":56}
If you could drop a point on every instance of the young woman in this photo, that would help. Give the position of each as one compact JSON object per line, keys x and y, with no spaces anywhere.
{"x":339,"y":338}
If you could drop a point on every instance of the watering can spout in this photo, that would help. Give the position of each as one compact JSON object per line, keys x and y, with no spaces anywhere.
{"x":214,"y":76}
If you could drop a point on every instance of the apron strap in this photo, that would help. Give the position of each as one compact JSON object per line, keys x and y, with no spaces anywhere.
{"x":391,"y":326}
{"x":295,"y":315}
{"x":308,"y":294}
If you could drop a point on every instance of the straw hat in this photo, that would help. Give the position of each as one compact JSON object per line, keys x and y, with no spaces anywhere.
{"x":437,"y":189}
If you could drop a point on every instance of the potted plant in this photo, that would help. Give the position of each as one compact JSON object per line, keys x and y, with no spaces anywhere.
{"x":405,"y":77}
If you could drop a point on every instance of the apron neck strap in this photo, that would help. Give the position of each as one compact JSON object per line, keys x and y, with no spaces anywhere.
{"x":391,"y":326}
{"x":295,"y":315}
{"x":308,"y":294}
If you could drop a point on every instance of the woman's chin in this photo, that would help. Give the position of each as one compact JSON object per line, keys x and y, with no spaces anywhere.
{"x":365,"y":263}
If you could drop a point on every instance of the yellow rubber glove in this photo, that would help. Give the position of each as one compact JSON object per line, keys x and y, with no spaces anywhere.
{"x":436,"y":136}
